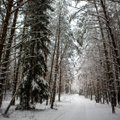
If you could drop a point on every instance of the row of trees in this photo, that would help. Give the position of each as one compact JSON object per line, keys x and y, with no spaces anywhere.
{"x":37,"y":43}
{"x":100,"y":68}
{"x":35,"y":47}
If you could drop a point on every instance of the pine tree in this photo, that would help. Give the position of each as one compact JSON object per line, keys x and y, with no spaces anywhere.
{"x":35,"y":49}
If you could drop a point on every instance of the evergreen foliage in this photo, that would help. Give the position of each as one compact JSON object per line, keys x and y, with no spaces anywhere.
{"x":33,"y":88}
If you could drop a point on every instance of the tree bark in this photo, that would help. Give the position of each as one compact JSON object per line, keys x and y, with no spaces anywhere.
{"x":56,"y":62}
{"x":2,"y":41}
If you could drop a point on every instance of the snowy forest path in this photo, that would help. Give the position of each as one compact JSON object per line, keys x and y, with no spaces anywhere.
{"x":85,"y":109}
{"x":74,"y":111}
{"x":72,"y":107}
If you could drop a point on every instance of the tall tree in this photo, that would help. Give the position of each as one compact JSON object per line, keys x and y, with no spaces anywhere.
{"x":3,"y":39}
{"x":34,"y":65}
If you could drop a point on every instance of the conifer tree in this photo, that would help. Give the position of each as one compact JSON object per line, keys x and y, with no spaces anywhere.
{"x":35,"y":49}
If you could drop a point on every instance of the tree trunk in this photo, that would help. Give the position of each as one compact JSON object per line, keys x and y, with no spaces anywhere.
{"x":56,"y":63}
{"x":5,"y":25}
{"x":60,"y":84}
{"x":18,"y":64}
{"x":51,"y":72}
{"x":2,"y":41}
{"x":113,"y":93}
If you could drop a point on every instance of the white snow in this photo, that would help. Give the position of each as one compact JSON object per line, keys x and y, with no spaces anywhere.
{"x":72,"y":107}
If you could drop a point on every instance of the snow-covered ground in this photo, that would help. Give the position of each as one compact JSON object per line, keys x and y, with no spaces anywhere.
{"x":72,"y":107}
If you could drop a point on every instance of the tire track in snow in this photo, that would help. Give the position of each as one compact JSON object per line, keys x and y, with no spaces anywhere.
{"x":59,"y":116}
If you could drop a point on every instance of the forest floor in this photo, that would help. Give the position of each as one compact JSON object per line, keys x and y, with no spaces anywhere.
{"x":72,"y":107}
